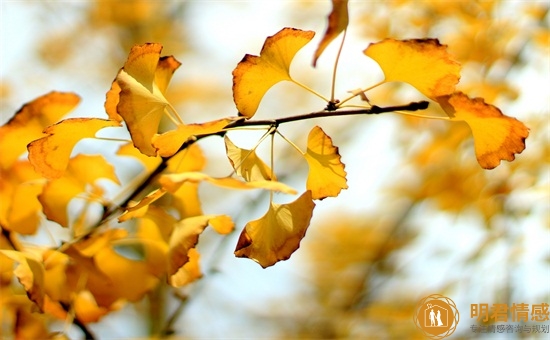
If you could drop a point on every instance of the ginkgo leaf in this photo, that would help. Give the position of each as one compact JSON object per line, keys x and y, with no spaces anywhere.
{"x":255,"y":75}
{"x":186,"y":198}
{"x":30,"y":273}
{"x":247,"y":164}
{"x":150,"y":163}
{"x":169,"y":142}
{"x":140,"y":101}
{"x":127,"y":279}
{"x":338,"y":20}
{"x":138,"y":209}
{"x":496,"y":136}
{"x":189,"y":272}
{"x":276,"y":235}
{"x":326,"y":177}
{"x":172,"y":182}
{"x":29,"y":122}
{"x":423,"y":63}
{"x":50,"y":155}
{"x":81,"y":173}
{"x":186,"y":236}
{"x":20,"y":210}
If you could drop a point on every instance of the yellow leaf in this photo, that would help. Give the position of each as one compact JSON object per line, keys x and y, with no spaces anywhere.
{"x":246,"y":163}
{"x":254,"y":75}
{"x":86,"y":308}
{"x":186,"y":199}
{"x":127,"y":279}
{"x":423,"y":63}
{"x":186,"y":236}
{"x":496,"y":136}
{"x":338,"y":20}
{"x":30,"y":273}
{"x":20,"y":210}
{"x":189,"y":272}
{"x":29,"y":122}
{"x":150,"y":163}
{"x":326,"y":177}
{"x":50,"y":155}
{"x":82,"y":171}
{"x":111,"y":102}
{"x":172,"y":182}
{"x":276,"y":235}
{"x":138,"y":209}
{"x":141,"y":101}
{"x":169,"y":142}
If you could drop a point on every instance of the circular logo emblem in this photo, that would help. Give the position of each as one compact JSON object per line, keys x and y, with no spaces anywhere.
{"x":436,"y":316}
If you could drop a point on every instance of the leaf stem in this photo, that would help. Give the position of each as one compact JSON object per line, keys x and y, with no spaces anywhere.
{"x":333,"y":85}
{"x":405,"y":113}
{"x":310,"y":90}
{"x":113,"y":139}
{"x":291,"y":143}
{"x":362,"y":91}
{"x":264,"y":136}
{"x":272,"y":160}
{"x":170,"y":116}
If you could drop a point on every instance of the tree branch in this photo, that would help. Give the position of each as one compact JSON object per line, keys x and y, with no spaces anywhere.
{"x":414,"y":106}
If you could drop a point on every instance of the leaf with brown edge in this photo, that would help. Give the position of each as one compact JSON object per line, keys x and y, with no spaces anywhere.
{"x":326,"y":177}
{"x":276,"y":235}
{"x":168,"y":143}
{"x":247,"y":164}
{"x":140,"y":100}
{"x":338,"y":20}
{"x":423,"y":63}
{"x":185,"y":238}
{"x":50,"y":155}
{"x":29,"y":122}
{"x":255,"y":75}
{"x":30,"y":273}
{"x":496,"y":136}
{"x":173,"y":182}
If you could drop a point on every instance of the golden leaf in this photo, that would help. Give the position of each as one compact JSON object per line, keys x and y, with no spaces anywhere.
{"x":254,"y":75}
{"x":20,"y":210}
{"x":169,"y":142}
{"x":496,"y":136}
{"x":82,"y":171}
{"x":183,"y":241}
{"x":326,"y":177}
{"x":186,"y":198}
{"x":30,"y":273}
{"x":140,"y":101}
{"x":29,"y":122}
{"x":246,"y":163}
{"x":138,"y":209}
{"x":276,"y":235}
{"x":150,"y":163}
{"x":172,"y":182}
{"x":338,"y":20}
{"x":423,"y":63}
{"x":50,"y":155}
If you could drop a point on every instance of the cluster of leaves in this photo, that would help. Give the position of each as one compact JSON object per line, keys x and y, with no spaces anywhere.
{"x":93,"y":273}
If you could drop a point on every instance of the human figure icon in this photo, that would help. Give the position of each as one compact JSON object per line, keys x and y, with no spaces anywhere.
{"x":432,"y":318}
{"x":439,"y":323}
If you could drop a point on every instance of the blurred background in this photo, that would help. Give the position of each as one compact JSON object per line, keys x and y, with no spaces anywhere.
{"x":420,"y":216}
